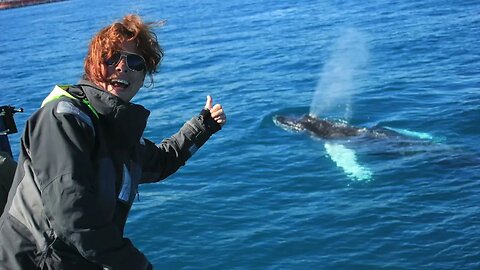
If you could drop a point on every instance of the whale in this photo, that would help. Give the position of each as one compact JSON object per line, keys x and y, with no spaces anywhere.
{"x":333,"y":131}
{"x":342,"y":156}
{"x":328,"y":129}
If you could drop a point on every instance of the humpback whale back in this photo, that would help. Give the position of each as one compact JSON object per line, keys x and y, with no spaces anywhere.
{"x":317,"y":127}
{"x":329,"y":130}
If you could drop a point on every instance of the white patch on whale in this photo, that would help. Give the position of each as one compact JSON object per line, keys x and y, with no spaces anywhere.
{"x":346,"y":159}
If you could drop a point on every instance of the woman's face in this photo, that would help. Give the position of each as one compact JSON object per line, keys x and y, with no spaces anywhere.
{"x":124,"y":80}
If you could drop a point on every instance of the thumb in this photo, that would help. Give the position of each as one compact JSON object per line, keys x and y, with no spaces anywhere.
{"x":208,"y":104}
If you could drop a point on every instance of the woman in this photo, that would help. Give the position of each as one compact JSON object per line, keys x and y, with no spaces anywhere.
{"x":82,"y":158}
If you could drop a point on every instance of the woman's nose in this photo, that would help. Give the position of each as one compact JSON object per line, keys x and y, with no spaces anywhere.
{"x":122,"y":65}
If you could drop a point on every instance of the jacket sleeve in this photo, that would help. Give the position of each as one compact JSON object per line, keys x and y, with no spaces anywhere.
{"x":61,"y":145}
{"x":160,"y":161}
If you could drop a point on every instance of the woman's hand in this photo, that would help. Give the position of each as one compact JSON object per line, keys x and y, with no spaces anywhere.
{"x":216,"y":111}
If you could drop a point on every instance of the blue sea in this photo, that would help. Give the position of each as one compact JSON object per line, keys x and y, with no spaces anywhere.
{"x":257,"y":196}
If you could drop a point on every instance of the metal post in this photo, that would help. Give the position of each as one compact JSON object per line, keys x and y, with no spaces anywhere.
{"x":7,"y":126}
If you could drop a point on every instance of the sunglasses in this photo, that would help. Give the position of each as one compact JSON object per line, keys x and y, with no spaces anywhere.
{"x":134,"y":62}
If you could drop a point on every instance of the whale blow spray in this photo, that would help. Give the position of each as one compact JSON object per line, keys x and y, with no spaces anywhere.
{"x":333,"y":92}
{"x":333,"y":95}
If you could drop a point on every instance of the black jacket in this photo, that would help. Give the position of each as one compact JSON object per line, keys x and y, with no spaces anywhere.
{"x":82,"y":158}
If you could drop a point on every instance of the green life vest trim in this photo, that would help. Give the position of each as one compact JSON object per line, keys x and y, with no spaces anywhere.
{"x":60,"y":91}
{"x":91,"y":107}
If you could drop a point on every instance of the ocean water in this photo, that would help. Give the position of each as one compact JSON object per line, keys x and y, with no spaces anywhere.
{"x":257,"y":196}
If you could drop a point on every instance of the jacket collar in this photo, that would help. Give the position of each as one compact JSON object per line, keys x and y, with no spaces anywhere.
{"x":124,"y":121}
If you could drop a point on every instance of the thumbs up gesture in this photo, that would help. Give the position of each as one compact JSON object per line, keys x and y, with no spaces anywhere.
{"x":216,"y":111}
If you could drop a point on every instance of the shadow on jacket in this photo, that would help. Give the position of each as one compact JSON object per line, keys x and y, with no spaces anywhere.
{"x":7,"y":171}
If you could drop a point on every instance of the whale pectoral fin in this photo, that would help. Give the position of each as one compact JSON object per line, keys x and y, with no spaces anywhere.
{"x":346,"y":159}
{"x":412,"y":134}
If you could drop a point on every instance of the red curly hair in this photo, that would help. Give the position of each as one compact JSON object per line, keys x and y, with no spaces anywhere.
{"x":107,"y":41}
